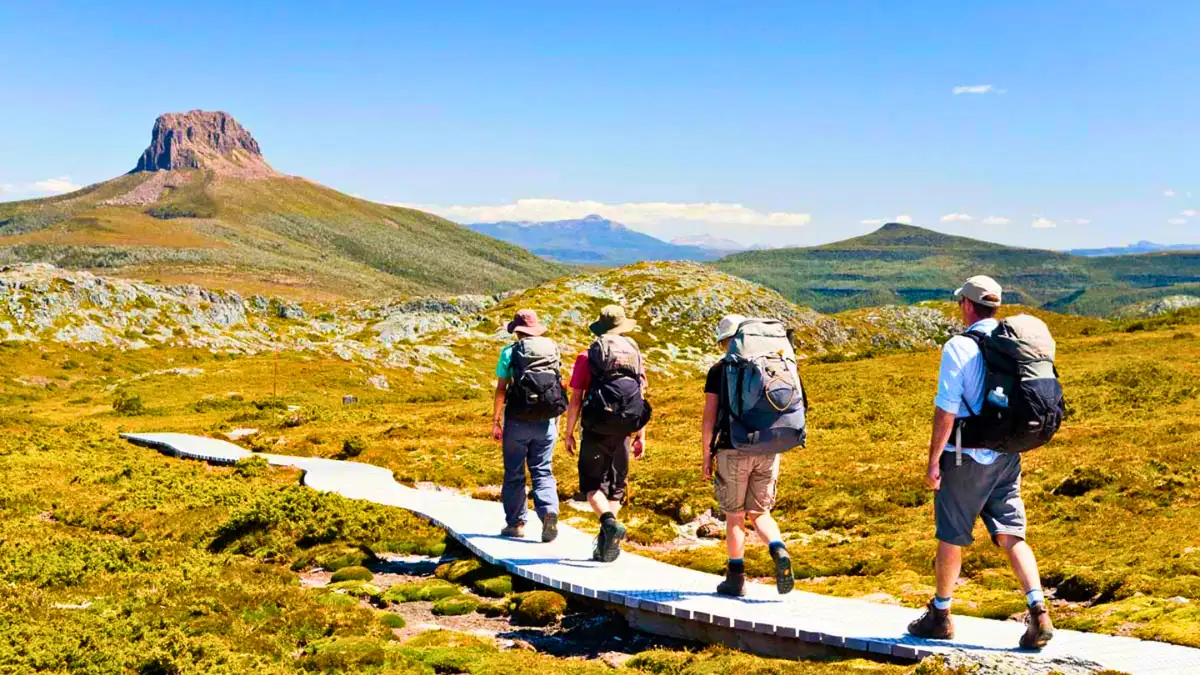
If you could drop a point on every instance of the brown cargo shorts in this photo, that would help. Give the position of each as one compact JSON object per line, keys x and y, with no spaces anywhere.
{"x":744,"y":482}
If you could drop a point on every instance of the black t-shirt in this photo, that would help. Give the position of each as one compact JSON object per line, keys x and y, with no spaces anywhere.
{"x":714,"y":383}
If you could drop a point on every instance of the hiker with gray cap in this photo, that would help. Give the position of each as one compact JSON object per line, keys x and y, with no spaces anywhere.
{"x":754,"y":409}
{"x":608,"y":387}
{"x":998,"y":396}
{"x":529,"y":398}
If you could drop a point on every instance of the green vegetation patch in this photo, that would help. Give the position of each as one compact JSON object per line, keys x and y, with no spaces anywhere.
{"x":426,"y":590}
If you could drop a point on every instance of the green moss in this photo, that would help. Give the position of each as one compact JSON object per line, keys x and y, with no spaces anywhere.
{"x":421,"y":591}
{"x":494,"y":587}
{"x":358,"y":589}
{"x":354,"y":573}
{"x":392,"y":620}
{"x":539,"y":608}
{"x":456,"y":605}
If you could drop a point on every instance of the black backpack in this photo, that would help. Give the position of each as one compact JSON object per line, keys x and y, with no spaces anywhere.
{"x":1023,"y":403}
{"x":535,"y":393}
{"x":614,"y":405}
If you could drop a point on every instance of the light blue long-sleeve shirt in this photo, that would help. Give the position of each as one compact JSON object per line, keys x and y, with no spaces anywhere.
{"x":961,"y":379}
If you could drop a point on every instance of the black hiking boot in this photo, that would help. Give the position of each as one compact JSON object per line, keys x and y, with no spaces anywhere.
{"x":1038,"y":629}
{"x":612,"y":532}
{"x":598,"y":546}
{"x":934,"y":624}
{"x":784,"y":581}
{"x":734,"y":584}
{"x":549,"y":528}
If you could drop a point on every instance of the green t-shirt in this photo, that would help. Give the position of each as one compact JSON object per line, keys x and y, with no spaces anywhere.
{"x":504,"y":365}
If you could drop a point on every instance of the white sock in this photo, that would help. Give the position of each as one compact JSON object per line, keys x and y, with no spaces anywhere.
{"x":1034,"y":597}
{"x":942,"y":603}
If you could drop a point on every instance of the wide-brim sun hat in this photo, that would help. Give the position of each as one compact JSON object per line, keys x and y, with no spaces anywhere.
{"x":525,"y":322}
{"x":612,"y":321}
{"x":728,"y":326}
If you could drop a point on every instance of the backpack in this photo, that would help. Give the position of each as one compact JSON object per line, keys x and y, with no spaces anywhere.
{"x":536,"y":393}
{"x":614,"y":405}
{"x":1023,"y":403}
{"x":763,"y":395}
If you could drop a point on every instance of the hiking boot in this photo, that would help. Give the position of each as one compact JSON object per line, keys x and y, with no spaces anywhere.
{"x":734,"y":584}
{"x":1038,"y":629}
{"x":549,"y":528}
{"x":934,"y":624}
{"x":613,"y":533}
{"x":784,"y":581}
{"x":598,"y":546}
{"x":514,"y":531}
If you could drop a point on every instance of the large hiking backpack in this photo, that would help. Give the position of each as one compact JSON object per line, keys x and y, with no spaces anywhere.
{"x":763,"y":396}
{"x":614,"y":405}
{"x":1023,"y":402}
{"x":536,"y":392}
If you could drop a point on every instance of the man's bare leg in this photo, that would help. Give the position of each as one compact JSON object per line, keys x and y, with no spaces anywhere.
{"x":1024,"y":564}
{"x":949,"y":564}
{"x":601,"y":504}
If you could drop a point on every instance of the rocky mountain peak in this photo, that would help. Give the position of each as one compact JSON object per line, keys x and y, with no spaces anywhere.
{"x":202,"y":139}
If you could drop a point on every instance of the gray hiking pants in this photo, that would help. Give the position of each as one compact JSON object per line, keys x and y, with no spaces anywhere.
{"x":529,"y":444}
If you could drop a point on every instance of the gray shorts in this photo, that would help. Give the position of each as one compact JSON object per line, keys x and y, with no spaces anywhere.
{"x":990,"y":491}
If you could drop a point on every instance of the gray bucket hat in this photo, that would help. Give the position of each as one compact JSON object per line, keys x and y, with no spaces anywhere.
{"x":612,"y":320}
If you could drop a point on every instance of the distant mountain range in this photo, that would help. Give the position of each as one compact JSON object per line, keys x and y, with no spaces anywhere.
{"x":595,"y":240}
{"x":902,"y":263}
{"x":1140,"y":247}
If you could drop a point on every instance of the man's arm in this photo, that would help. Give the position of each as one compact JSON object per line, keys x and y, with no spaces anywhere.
{"x":943,"y":425}
{"x":572,"y":419}
{"x":498,"y":408}
{"x":708,"y":428}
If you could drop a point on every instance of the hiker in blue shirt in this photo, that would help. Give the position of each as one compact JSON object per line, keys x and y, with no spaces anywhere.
{"x":972,"y":483}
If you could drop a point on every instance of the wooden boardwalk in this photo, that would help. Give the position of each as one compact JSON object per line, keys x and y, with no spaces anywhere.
{"x":663,"y":598}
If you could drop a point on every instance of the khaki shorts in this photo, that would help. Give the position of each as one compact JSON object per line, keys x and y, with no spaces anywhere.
{"x":746,"y":482}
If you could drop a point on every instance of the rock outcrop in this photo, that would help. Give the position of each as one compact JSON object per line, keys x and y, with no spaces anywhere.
{"x":204,"y":140}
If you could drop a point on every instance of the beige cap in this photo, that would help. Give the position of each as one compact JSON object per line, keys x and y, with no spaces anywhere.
{"x":981,"y":289}
{"x":612,"y":320}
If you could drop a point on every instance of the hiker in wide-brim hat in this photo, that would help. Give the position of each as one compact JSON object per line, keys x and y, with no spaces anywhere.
{"x":608,"y":386}
{"x":612,"y":321}
{"x":528,"y":400}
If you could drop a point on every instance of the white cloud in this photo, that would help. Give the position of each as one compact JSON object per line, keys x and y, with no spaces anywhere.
{"x":995,"y":220}
{"x":874,"y":221}
{"x":629,"y":213}
{"x":49,"y":186}
{"x":905,"y":219}
{"x":956,"y":217}
{"x":1076,"y":221}
{"x":1044,"y":223}
{"x":1177,"y":221}
{"x":1190,"y":213}
{"x":1168,"y":193}
{"x":978,"y":89}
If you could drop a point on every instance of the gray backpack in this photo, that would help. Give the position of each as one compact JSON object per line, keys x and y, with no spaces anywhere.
{"x":536,"y":393}
{"x":763,"y":396}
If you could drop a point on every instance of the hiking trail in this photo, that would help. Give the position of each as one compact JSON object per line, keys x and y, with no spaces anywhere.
{"x":660,"y":598}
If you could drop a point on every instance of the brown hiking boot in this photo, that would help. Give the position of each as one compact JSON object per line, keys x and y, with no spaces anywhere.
{"x":934,"y":624}
{"x":1038,"y":629}
{"x":513,"y":531}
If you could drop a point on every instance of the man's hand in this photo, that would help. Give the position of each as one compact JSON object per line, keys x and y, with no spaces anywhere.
{"x":497,"y":431}
{"x":933,"y":476}
{"x":569,"y":443}
{"x":706,"y":471}
{"x":639,"y":445}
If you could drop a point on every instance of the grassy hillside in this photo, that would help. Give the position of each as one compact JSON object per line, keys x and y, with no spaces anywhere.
{"x":902,"y":264}
{"x":117,"y":559}
{"x":277,"y":235}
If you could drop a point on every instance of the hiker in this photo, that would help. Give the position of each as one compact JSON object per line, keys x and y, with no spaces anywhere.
{"x":608,"y":387}
{"x":759,"y":366}
{"x":974,"y":452}
{"x":529,"y":398}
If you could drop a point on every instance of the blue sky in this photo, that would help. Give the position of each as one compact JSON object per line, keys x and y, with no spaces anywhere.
{"x":818,"y":119}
